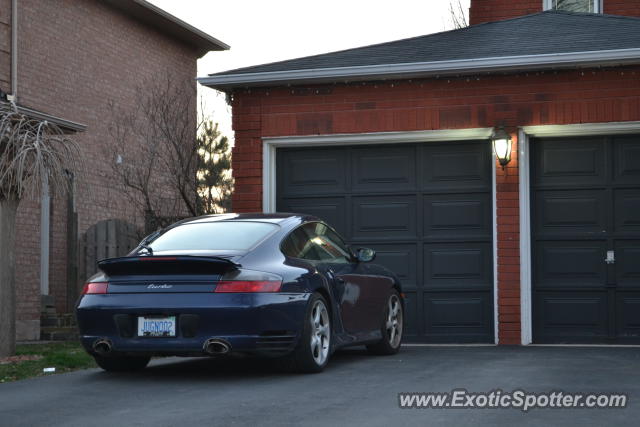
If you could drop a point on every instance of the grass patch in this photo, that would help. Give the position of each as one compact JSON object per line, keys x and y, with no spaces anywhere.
{"x":64,"y":356}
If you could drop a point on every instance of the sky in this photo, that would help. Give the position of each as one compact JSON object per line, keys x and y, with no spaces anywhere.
{"x":262,"y":31}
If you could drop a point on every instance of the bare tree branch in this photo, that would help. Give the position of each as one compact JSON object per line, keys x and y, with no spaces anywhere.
{"x":457,"y":14}
{"x":157,"y":155}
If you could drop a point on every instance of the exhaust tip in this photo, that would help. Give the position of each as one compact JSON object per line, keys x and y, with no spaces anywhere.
{"x":216,"y":347}
{"x":102,"y":347}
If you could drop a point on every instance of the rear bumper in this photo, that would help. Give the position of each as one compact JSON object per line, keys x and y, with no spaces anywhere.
{"x":262,"y":323}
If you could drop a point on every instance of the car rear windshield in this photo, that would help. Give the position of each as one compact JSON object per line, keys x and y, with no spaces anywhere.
{"x":224,"y":235}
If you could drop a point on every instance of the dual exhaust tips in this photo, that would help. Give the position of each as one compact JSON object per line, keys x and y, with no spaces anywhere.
{"x":211,"y":347}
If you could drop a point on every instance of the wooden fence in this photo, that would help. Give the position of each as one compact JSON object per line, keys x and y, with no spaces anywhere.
{"x":105,"y":239}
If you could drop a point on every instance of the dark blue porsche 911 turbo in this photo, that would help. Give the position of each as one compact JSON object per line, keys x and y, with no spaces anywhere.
{"x":278,"y":285}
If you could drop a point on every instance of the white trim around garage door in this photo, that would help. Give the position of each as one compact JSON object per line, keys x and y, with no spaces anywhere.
{"x":270,"y":144}
{"x":525,"y":239}
{"x":527,"y":132}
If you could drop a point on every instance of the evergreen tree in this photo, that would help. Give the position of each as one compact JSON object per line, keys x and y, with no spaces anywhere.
{"x":215,"y":183}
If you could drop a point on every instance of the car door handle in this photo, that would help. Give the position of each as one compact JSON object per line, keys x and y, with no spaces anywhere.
{"x":332,"y":273}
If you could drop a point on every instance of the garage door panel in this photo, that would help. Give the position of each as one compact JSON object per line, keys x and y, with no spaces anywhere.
{"x":304,"y":172}
{"x":387,"y":217}
{"x":401,"y":259}
{"x":330,"y":209}
{"x":627,"y":211}
{"x":572,"y":212}
{"x":586,"y":237}
{"x":457,"y":216}
{"x":387,"y":168}
{"x":628,"y":314}
{"x":627,"y":159}
{"x":627,"y":265}
{"x":457,"y":316}
{"x":570,"y":264}
{"x":567,"y":316}
{"x":453,"y":265}
{"x":456,"y":166}
{"x":427,"y":211}
{"x":563,"y":163}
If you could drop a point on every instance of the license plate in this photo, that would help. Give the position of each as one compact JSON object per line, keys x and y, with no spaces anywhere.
{"x":157,"y":326}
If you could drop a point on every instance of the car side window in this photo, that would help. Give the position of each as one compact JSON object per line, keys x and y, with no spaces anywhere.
{"x":315,"y":241}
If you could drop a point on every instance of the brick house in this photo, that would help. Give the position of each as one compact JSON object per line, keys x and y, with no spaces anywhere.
{"x":392,"y":144}
{"x":70,"y":58}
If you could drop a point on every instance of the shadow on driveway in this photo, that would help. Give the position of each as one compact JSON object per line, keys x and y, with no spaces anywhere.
{"x":229,"y":368}
{"x":355,"y":389}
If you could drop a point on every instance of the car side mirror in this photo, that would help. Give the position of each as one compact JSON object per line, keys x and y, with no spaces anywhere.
{"x":365,"y":254}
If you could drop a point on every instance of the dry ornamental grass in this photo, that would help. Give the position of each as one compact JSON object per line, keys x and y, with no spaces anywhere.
{"x":33,"y":153}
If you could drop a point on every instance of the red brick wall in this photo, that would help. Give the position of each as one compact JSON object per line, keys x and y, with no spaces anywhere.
{"x":497,"y":10}
{"x":563,"y":97}
{"x":75,"y":56}
{"x":622,"y":7}
{"x":508,"y":234}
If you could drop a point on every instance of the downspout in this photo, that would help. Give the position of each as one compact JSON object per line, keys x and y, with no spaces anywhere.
{"x":14,"y":50}
{"x":45,"y":223}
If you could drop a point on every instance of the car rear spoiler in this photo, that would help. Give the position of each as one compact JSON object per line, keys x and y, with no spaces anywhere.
{"x":180,"y":264}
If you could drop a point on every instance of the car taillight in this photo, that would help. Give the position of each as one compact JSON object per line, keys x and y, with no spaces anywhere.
{"x":95,"y":288}
{"x":242,"y":280}
{"x":248,"y":286}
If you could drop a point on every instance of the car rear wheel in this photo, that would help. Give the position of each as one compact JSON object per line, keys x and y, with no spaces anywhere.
{"x":392,"y":326}
{"x":314,"y":348}
{"x":121,"y":363}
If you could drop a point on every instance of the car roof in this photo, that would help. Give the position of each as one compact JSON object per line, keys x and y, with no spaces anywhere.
{"x":280,"y":218}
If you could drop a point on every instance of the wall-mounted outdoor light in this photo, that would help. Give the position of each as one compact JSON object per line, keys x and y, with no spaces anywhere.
{"x":501,"y":146}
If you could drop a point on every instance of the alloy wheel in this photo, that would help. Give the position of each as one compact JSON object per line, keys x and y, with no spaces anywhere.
{"x":394,"y":321}
{"x":320,"y":332}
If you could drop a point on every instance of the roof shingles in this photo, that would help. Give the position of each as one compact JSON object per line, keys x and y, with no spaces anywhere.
{"x":541,"y":33}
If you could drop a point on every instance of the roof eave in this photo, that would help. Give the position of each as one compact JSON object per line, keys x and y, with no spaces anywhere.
{"x":158,"y":18}
{"x":67,"y":126}
{"x":425,"y":69}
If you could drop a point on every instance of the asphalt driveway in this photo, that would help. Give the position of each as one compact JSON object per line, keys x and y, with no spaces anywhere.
{"x":356,"y":389}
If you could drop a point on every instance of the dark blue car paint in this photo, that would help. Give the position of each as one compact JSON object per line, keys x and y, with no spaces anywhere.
{"x":356,"y":293}
{"x":241,"y":319}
